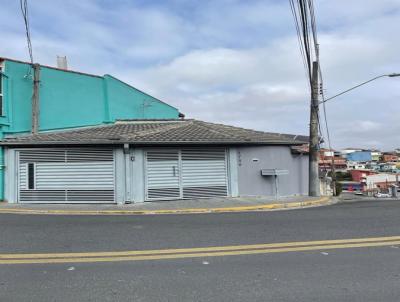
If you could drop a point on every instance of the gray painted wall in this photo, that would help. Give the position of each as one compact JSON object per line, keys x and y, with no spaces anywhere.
{"x":10,"y":180}
{"x":244,"y":174}
{"x":252,"y":159}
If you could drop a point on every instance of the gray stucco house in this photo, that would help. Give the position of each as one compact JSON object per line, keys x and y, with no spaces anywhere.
{"x":136,"y":161}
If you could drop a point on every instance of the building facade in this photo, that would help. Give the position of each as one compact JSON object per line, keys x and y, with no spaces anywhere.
{"x":390,"y":157}
{"x":360,"y":175}
{"x":68,"y":99}
{"x":359,"y":156}
{"x":137,"y":161}
{"x":376,"y":155}
{"x":381,"y":181}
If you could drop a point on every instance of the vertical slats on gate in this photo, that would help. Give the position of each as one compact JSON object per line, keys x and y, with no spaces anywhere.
{"x":204,"y":172}
{"x":68,"y":175}
{"x":162,"y":174}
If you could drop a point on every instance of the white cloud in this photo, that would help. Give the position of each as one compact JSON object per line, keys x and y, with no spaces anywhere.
{"x":202,"y":71}
{"x":265,"y":88}
{"x":230,"y":61}
{"x":365,"y":126}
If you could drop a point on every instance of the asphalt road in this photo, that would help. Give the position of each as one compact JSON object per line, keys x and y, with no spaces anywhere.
{"x":348,"y":274}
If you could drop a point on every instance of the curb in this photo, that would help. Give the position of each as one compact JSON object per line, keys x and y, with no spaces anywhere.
{"x":258,"y":208}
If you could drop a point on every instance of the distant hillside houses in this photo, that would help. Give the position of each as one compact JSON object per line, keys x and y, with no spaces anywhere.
{"x":369,"y":171}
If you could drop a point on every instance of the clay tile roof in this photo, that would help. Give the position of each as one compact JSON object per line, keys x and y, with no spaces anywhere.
{"x":157,"y":132}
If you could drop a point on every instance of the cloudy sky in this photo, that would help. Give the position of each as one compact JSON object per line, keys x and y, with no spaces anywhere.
{"x":235,"y":62}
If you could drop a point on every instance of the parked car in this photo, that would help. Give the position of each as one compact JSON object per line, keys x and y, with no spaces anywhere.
{"x":382,"y":195}
{"x":358,"y":193}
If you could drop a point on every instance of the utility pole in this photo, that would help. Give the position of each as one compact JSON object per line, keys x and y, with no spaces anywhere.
{"x":313,"y":168}
{"x":35,"y":98}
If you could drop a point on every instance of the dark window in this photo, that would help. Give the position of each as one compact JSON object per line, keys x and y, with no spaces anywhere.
{"x":31,"y":176}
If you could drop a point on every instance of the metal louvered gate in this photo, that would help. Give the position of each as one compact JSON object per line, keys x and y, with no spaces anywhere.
{"x":186,"y":173}
{"x":204,"y":173}
{"x":162,"y":174}
{"x":66,"y":176}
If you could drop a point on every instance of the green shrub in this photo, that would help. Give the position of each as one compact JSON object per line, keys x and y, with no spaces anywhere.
{"x":338,"y":188}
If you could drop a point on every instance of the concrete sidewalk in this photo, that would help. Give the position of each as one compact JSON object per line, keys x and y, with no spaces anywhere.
{"x":192,"y":206}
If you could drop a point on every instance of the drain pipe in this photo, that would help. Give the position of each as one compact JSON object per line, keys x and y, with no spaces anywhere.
{"x":35,"y":98}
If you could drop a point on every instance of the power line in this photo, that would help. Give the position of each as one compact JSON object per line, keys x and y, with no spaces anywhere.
{"x":305,"y":34}
{"x":316,"y":47}
{"x":299,"y":37}
{"x":324,"y":110}
{"x":313,"y":26}
{"x":25,"y":16}
{"x":314,"y":29}
{"x":306,"y":30}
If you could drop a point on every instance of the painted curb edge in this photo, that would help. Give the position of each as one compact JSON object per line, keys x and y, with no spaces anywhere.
{"x":257,"y":208}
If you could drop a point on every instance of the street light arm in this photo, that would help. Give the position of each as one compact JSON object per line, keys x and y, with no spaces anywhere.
{"x":361,"y":84}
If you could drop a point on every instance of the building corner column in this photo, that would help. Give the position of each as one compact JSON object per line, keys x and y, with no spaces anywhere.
{"x":233,"y":172}
{"x":119,"y":172}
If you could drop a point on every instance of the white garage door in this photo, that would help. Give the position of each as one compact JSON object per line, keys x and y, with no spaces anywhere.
{"x":66,"y":176}
{"x":186,"y":173}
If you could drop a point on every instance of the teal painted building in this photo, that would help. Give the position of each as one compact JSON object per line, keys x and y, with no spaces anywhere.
{"x":68,"y":99}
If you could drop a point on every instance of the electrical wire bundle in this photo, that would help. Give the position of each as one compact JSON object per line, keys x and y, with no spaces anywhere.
{"x":25,"y":16}
{"x":306,"y":29}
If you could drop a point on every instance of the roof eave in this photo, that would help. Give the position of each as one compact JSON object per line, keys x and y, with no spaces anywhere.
{"x":91,"y":142}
